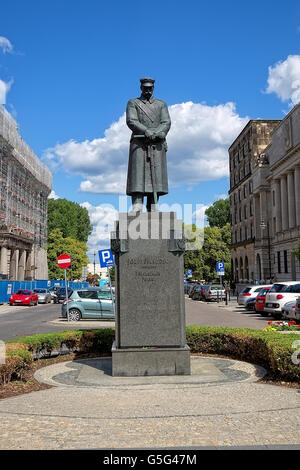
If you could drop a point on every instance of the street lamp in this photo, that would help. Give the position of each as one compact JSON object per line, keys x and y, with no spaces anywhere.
{"x":263,"y":226}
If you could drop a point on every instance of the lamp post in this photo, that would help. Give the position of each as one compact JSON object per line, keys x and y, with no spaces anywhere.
{"x":263,"y":226}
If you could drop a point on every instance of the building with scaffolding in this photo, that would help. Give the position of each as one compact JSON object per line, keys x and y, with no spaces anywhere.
{"x":25,"y":184}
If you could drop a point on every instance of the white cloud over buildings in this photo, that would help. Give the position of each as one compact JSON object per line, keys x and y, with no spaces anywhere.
{"x":284,"y":80}
{"x":4,"y":89}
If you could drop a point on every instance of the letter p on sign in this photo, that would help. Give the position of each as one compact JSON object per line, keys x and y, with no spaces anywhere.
{"x":106,"y":258}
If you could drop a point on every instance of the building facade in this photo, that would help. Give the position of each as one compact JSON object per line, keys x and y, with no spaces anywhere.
{"x":244,"y":158}
{"x":25,"y":184}
{"x":276,"y":187}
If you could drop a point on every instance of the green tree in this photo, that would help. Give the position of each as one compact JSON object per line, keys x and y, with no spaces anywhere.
{"x":297,"y":252}
{"x":70,"y":218}
{"x":218,"y":214}
{"x":216,"y":247}
{"x":57,"y":245}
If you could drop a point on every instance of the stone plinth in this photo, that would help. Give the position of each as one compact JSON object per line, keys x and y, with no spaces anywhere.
{"x":150,"y":309}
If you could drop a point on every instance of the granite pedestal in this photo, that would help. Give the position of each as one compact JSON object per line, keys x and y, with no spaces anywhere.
{"x":150,"y":308}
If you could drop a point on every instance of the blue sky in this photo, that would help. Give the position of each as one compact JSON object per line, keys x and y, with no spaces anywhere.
{"x":73,"y":65}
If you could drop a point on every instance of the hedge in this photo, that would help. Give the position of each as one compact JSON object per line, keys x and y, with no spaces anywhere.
{"x":269,"y":349}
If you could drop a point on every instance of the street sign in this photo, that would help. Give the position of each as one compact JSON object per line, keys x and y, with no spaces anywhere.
{"x":64,"y":261}
{"x":106,"y":258}
{"x":189,"y":273}
{"x":221,"y":268}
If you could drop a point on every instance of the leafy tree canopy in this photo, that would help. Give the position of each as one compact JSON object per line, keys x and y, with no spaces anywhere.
{"x":57,"y":245}
{"x":70,"y":218}
{"x":218,"y":214}
{"x":216,"y":247}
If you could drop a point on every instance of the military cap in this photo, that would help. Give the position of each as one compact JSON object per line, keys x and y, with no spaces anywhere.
{"x":147,"y":81}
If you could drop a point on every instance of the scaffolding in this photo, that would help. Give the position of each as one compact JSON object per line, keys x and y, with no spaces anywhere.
{"x":25,"y":183}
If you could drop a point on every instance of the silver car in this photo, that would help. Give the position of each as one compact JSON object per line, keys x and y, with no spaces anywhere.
{"x":44,"y":296}
{"x":289,"y":310}
{"x":214,"y":293}
{"x":250,"y":291}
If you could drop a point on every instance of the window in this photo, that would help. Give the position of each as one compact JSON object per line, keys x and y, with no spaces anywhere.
{"x":251,"y":207}
{"x":246,"y":233}
{"x":250,"y":185}
{"x":104,"y":295}
{"x":278,"y":262}
{"x":278,"y":287}
{"x":245,"y":192}
{"x":88,"y":294}
{"x":245,"y":212}
{"x":285,"y":261}
{"x":273,"y":198}
{"x":295,"y":289}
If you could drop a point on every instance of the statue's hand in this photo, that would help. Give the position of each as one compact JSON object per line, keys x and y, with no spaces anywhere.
{"x":149,"y":134}
{"x":160,"y":135}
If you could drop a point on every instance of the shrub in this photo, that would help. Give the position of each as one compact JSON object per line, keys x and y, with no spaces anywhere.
{"x":269,"y":349}
{"x":16,"y":364}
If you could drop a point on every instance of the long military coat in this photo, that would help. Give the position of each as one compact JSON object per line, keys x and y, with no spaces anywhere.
{"x":141,"y":115}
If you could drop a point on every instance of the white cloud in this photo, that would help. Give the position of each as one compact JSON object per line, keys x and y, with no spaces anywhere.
{"x":198,"y":141}
{"x":4,"y":89}
{"x":5,"y":45}
{"x":220,"y":196}
{"x":284,"y":80}
{"x":53,"y":195}
{"x":102,"y":218}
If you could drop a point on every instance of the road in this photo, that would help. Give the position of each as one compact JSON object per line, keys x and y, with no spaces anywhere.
{"x":20,"y":321}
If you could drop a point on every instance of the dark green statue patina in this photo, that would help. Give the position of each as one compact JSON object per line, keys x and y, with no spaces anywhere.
{"x":149,"y":120}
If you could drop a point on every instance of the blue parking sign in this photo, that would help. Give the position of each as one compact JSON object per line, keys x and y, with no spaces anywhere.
{"x":106,"y":258}
{"x":220,"y":268}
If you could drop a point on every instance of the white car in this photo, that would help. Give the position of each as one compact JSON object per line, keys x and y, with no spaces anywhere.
{"x":250,"y":291}
{"x":279,"y":294}
{"x":289,"y":310}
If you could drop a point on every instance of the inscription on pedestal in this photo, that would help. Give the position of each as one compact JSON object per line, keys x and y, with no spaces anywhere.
{"x":150,"y":296}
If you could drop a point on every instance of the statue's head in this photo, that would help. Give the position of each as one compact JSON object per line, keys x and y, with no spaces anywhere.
{"x":147,"y":87}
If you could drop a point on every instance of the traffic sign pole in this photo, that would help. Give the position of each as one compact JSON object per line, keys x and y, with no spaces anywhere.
{"x":66,"y":285}
{"x":64,"y":261}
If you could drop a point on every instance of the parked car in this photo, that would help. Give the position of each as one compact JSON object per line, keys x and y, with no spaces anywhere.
{"x":260,"y":301}
{"x":187,"y":286}
{"x":61,"y":294}
{"x":192,"y":289}
{"x":89,"y":304}
{"x":289,"y":310}
{"x":44,"y":296}
{"x":297,"y":309}
{"x":250,"y":303}
{"x":53,"y":292}
{"x":280,"y":294}
{"x":23,"y":297}
{"x":250,"y":291}
{"x":214,"y":293}
{"x":199,"y":292}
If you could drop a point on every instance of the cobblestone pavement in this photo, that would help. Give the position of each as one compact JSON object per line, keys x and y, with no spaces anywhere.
{"x":152,"y":414}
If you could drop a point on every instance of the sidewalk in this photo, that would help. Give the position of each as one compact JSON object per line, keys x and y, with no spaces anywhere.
{"x":220,"y":404}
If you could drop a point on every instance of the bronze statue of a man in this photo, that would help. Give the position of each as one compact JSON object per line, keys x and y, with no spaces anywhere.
{"x":149,"y":120}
